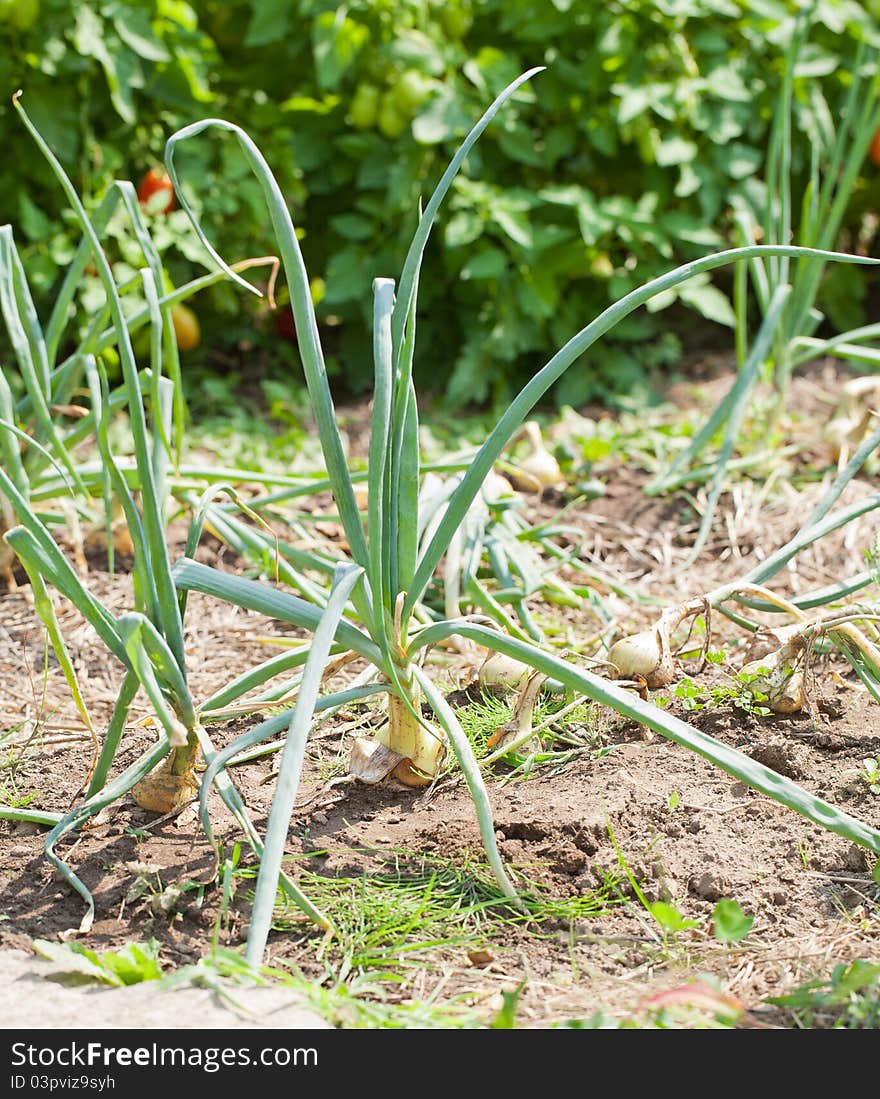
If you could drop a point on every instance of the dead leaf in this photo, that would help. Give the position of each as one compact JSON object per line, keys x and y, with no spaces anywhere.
{"x":480,"y":957}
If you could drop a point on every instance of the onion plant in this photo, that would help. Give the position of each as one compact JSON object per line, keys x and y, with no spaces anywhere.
{"x":46,"y":412}
{"x":497,"y":559}
{"x":784,"y":287}
{"x":393,"y":557}
{"x":148,"y":640}
{"x":825,"y":612}
{"x":498,"y":562}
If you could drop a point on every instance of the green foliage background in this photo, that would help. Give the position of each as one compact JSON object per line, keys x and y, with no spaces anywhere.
{"x":620,"y":160}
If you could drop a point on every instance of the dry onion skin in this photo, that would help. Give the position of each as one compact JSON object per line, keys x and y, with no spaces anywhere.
{"x":775,"y":677}
{"x":370,"y":762}
{"x":768,"y":639}
{"x":421,"y":752}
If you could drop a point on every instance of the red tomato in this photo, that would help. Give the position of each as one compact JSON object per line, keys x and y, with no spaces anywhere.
{"x":154,"y":183}
{"x":874,"y":151}
{"x":284,"y":323}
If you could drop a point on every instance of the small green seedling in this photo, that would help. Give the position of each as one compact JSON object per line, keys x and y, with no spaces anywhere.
{"x":506,"y":1017}
{"x":12,"y":796}
{"x":745,"y":696}
{"x":870,"y":774}
{"x":729,"y":923}
{"x":670,"y":918}
{"x":739,"y":692}
{"x":849,"y":999}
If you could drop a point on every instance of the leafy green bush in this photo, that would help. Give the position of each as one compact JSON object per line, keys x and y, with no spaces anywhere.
{"x":624,"y":157}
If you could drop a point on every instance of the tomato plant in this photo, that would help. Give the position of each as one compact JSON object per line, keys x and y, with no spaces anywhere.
{"x":21,"y":14}
{"x":282,"y":318}
{"x":636,"y":147}
{"x":456,"y":20}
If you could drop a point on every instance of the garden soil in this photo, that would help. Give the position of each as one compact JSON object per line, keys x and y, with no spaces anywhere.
{"x":658,"y":821}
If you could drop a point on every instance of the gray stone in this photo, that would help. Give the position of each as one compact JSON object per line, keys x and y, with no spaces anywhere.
{"x":31,"y":998}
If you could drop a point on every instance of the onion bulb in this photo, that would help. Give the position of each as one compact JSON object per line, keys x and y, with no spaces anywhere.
{"x":163,"y":791}
{"x":496,"y":487}
{"x":849,"y":424}
{"x":538,"y":469}
{"x":502,"y":673}
{"x":646,"y":655}
{"x":421,"y":751}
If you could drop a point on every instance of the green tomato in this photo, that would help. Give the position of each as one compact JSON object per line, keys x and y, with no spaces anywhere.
{"x":364,"y":108}
{"x":111,"y":362}
{"x":317,"y":289}
{"x":21,"y":14}
{"x":647,"y":140}
{"x":140,"y":344}
{"x":391,"y":122}
{"x":410,"y":91}
{"x":456,"y":21}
